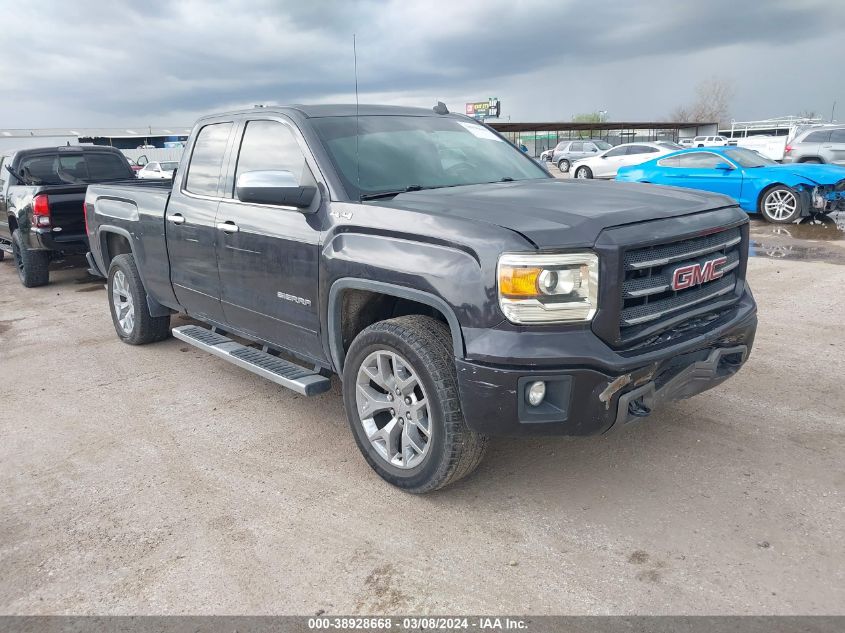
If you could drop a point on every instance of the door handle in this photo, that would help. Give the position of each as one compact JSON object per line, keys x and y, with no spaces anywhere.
{"x":176,"y":218}
{"x":228,"y":226}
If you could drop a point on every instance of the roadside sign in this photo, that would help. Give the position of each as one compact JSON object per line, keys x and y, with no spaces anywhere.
{"x":484,"y":109}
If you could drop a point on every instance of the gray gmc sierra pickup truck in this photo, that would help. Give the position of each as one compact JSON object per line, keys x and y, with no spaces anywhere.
{"x":457,"y":288}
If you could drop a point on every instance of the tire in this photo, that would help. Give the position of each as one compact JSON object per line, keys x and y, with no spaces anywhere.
{"x":33,"y":266}
{"x":563,"y":165}
{"x":418,"y":350}
{"x":128,"y":305}
{"x":2,"y":254}
{"x":780,"y":205}
{"x":583,"y":172}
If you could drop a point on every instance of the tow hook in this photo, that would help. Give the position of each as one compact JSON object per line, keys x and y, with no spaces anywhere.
{"x":638,"y":408}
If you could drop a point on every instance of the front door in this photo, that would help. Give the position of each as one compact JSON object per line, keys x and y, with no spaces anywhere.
{"x":698,"y":170}
{"x":268,"y":255}
{"x":190,"y":225}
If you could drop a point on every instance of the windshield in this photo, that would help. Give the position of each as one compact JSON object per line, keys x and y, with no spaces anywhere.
{"x":395,"y":153}
{"x":669,"y":145}
{"x":748,"y":158}
{"x":169,"y":166}
{"x":71,"y":169}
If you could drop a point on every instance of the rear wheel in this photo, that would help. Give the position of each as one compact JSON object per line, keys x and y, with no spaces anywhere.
{"x":780,"y":205}
{"x":33,"y":266}
{"x":583,"y":172}
{"x":563,"y":165}
{"x":128,"y":303}
{"x":2,"y":254}
{"x":400,"y":390}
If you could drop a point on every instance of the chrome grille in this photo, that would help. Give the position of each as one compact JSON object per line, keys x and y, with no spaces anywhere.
{"x":647,"y":295}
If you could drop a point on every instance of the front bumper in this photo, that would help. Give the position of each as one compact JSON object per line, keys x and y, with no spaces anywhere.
{"x":582,"y":400}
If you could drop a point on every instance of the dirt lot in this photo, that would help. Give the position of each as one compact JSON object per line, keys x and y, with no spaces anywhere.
{"x":161,"y":480}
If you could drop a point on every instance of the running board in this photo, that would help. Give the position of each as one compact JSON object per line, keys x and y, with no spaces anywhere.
{"x":282,"y":372}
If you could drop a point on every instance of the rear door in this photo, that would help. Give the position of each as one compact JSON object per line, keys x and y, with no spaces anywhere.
{"x":190,"y":227}
{"x":811,"y":146}
{"x":268,"y":255}
{"x":834,"y":150}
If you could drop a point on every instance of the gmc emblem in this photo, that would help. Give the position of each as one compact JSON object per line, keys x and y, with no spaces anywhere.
{"x":695,"y":274}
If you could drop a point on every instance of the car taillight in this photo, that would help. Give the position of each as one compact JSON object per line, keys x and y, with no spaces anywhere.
{"x":787,"y":149}
{"x":41,"y":210}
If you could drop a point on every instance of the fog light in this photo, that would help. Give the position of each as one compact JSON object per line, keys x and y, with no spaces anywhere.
{"x":536,"y":393}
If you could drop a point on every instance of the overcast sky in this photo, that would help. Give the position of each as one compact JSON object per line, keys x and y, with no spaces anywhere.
{"x":151,"y":62}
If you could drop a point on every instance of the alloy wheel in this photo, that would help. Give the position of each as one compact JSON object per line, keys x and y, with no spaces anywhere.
{"x":780,"y":204}
{"x":124,"y":307}
{"x":393,"y":409}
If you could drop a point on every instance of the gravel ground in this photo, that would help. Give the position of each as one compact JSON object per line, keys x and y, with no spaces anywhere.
{"x":160,"y":480}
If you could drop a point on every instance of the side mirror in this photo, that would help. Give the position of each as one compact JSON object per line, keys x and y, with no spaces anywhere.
{"x":274,"y":187}
{"x":725,"y":166}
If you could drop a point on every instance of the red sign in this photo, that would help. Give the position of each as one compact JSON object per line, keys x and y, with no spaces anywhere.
{"x":695,"y":274}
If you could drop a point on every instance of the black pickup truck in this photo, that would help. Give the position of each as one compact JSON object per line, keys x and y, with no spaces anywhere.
{"x":41,"y":195}
{"x":458,"y":289}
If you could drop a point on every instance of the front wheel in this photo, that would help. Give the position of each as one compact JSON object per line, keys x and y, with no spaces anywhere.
{"x":128,"y":303}
{"x":400,"y":391}
{"x":583,"y":172}
{"x":563,"y":165}
{"x":780,"y":205}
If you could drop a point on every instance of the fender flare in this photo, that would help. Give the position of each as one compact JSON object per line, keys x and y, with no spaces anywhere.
{"x":335,"y":329}
{"x":156,"y":309}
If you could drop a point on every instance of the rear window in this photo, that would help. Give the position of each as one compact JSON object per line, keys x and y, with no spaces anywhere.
{"x":72,"y":169}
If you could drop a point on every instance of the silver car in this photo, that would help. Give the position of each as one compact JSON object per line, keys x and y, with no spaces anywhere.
{"x":817,"y":145}
{"x":567,"y":152}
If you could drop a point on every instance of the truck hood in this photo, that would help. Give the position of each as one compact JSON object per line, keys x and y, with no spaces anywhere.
{"x":555,"y":213}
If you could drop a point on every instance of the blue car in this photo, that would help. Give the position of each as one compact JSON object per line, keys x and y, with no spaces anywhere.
{"x":781,"y":193}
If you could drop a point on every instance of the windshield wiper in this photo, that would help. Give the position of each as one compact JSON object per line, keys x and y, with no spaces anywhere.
{"x":390,"y":194}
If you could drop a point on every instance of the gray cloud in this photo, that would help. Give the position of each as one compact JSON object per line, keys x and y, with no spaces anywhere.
{"x":92,"y":63}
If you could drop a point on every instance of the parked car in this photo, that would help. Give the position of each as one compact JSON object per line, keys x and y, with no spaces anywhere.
{"x":686,"y":142}
{"x":709,"y":141}
{"x":156,"y":170}
{"x":567,"y":152}
{"x":780,"y":193}
{"x":546,"y":155}
{"x":605,"y":164}
{"x":819,"y":145}
{"x":41,"y":195}
{"x":456,"y":302}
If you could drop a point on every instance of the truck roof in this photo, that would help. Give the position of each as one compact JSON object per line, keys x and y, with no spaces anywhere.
{"x":341,"y":109}
{"x":71,"y":149}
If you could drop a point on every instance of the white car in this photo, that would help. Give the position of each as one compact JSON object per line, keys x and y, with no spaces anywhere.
{"x":709,"y":141}
{"x":605,"y":164}
{"x":161,"y":170}
{"x":686,"y":142}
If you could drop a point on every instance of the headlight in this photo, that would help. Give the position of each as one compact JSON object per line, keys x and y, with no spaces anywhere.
{"x":548,"y":288}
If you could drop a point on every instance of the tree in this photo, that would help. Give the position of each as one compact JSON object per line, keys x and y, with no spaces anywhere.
{"x":587,"y":117}
{"x":712,"y":102}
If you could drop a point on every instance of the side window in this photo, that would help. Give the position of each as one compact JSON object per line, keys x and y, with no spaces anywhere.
{"x":203,"y":175}
{"x":836,"y":136}
{"x":270,"y":145}
{"x":821,"y":136}
{"x":672,"y":161}
{"x":642,"y":149}
{"x":699,"y":160}
{"x":617,"y":151}
{"x":590,"y":147}
{"x":576,"y":147}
